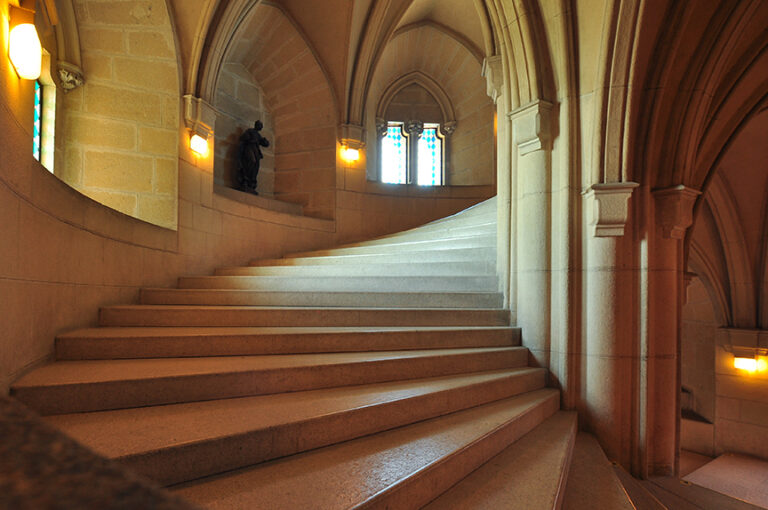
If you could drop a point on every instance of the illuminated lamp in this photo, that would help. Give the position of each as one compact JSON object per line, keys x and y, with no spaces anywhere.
{"x":24,"y":49}
{"x":749,"y":359}
{"x":199,"y":145}
{"x":349,"y":154}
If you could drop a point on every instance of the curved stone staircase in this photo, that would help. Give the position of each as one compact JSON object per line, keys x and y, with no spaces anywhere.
{"x":377,"y":375}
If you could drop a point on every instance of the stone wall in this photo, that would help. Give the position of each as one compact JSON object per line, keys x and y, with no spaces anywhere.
{"x":741,"y":408}
{"x":117,"y":136}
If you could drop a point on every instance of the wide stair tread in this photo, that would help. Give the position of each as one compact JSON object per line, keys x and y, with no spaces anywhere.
{"x":405,"y":268}
{"x":181,"y":442}
{"x":77,"y":386}
{"x":295,"y":298}
{"x":403,"y":246}
{"x":530,"y":474}
{"x":205,"y":316}
{"x":482,"y":254}
{"x":403,"y":468}
{"x":155,"y":342}
{"x":592,"y":482}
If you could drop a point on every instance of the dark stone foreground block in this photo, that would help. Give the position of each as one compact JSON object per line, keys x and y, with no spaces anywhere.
{"x":42,"y":469}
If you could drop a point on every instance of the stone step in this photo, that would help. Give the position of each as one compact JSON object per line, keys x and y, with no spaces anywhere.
{"x":485,"y":225}
{"x":215,"y":316}
{"x":447,"y":231}
{"x":680,"y":494}
{"x":640,"y":497}
{"x":401,"y":469}
{"x":344,"y":284}
{"x":405,"y":247}
{"x":79,"y":386}
{"x":484,"y":255}
{"x":401,"y":269}
{"x":592,"y":482}
{"x":179,"y":342}
{"x":181,"y":442}
{"x":529,"y":474}
{"x":309,"y":298}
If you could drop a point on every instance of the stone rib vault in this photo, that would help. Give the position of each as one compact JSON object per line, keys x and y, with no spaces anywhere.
{"x":376,"y":375}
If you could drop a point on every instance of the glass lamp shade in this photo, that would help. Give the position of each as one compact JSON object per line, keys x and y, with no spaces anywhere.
{"x":25,"y":51}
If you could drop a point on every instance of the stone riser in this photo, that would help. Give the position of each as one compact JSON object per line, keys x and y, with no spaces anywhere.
{"x":330,"y":299}
{"x":399,"y":469}
{"x":133,"y":383}
{"x":213,"y":316}
{"x":342,"y":283}
{"x":403,"y":269}
{"x":334,"y":419}
{"x":483,"y":255}
{"x":130,"y":343}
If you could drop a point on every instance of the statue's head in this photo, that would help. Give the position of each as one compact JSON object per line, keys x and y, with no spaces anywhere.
{"x":258,"y":125}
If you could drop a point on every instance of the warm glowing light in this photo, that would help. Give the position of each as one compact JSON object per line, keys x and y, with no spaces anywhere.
{"x":762,"y":364}
{"x":199,"y":145}
{"x":748,"y":364}
{"x":350,"y":154}
{"x":25,"y":51}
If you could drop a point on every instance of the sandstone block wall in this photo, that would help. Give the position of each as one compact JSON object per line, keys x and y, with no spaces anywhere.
{"x":117,"y":136}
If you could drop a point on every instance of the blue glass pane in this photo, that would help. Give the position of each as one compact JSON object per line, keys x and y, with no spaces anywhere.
{"x":430,"y":172}
{"x":394,"y":155}
{"x":38,"y":121}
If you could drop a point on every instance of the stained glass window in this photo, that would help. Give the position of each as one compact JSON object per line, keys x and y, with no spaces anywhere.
{"x":430,"y":151}
{"x":394,"y":155}
{"x":38,"y":121}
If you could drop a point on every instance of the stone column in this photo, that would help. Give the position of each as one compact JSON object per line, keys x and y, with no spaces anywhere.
{"x":609,"y":337}
{"x":660,"y":386}
{"x":531,"y":132}
{"x":493,"y":72}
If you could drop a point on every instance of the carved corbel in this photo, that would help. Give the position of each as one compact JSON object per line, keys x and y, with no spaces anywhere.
{"x":609,"y":207}
{"x":381,"y":127}
{"x":199,"y":116}
{"x":674,"y":210}
{"x":352,"y":136}
{"x":494,"y":77}
{"x":70,"y":76}
{"x":449,"y":128}
{"x":532,"y":126}
{"x":414,"y":127}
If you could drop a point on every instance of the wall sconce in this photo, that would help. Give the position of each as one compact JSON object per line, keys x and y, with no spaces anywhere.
{"x":749,"y":359}
{"x":350,"y":155}
{"x":24,"y":49}
{"x":199,"y":145}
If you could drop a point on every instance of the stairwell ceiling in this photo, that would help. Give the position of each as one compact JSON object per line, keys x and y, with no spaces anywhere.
{"x":460,"y":16}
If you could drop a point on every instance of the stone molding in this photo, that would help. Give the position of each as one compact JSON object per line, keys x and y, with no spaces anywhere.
{"x":449,"y":128}
{"x":532,"y":126}
{"x":609,"y":208}
{"x":352,"y":136}
{"x":494,"y":76}
{"x":674,"y":210}
{"x":199,"y":116}
{"x":381,"y":127}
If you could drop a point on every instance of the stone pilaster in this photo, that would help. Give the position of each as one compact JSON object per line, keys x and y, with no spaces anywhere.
{"x":531,"y":133}
{"x":608,"y":206}
{"x":674,"y":210}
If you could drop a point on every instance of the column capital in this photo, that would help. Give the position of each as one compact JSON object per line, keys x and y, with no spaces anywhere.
{"x":674,"y":209}
{"x":199,"y":116}
{"x":493,"y":72}
{"x":532,"y":126}
{"x":352,"y":136}
{"x":610,"y":207}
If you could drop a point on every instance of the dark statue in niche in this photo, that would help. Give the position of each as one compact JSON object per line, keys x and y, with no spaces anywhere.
{"x":249,"y":157}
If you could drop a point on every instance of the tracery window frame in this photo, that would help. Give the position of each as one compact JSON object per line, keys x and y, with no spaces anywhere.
{"x":413,"y":129}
